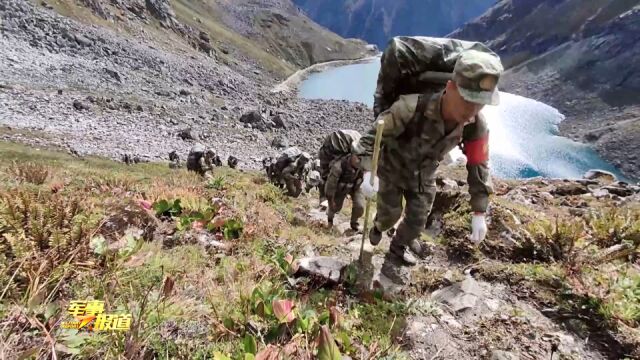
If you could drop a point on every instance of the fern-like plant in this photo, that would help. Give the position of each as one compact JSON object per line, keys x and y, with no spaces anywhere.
{"x":29,"y":172}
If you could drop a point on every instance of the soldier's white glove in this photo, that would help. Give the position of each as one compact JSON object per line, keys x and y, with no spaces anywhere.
{"x":368,"y":190}
{"x":478,"y":228}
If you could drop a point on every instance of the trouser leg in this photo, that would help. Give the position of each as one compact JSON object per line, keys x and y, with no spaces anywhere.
{"x":418,"y":207}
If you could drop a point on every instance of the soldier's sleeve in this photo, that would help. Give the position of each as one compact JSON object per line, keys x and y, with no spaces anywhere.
{"x":395,"y":119}
{"x":476,"y":148}
{"x":332,"y":181}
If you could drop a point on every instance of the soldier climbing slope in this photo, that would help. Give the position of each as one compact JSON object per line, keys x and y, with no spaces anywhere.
{"x":201,"y":160}
{"x":232,"y":161}
{"x":419,"y":130}
{"x":293,"y":174}
{"x":335,"y":145}
{"x":345,"y":178}
{"x":174,"y":160}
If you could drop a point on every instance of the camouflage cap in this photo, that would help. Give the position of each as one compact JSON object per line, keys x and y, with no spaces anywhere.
{"x":477,"y":74}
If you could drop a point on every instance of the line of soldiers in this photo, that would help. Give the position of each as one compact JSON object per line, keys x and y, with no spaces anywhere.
{"x":421,"y":126}
{"x":420,"y":129}
{"x":201,"y":160}
{"x":336,"y":173}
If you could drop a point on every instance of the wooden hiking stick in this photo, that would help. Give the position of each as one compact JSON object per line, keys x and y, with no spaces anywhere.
{"x":374,"y":171}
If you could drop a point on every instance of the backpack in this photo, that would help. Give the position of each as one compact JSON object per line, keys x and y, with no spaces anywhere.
{"x":287,"y":157}
{"x":417,"y":65}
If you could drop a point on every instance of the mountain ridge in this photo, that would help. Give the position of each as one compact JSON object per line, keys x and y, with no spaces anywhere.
{"x":583,"y":65}
{"x":378,"y":21}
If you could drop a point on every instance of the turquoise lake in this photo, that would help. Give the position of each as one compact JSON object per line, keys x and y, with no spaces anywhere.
{"x":524,"y":140}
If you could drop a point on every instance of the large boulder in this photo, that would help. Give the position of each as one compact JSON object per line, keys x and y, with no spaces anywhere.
{"x":600,"y":175}
{"x":572,"y":188}
{"x":252,"y":117}
{"x":188,"y":134}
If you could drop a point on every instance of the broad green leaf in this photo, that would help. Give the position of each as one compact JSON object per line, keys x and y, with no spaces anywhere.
{"x":250,"y":345}
{"x":327,"y":348}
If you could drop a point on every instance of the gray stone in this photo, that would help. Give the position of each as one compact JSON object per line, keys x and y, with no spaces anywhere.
{"x":113,"y":74}
{"x":325,"y":267}
{"x":600,"y":175}
{"x":619,"y":190}
{"x":503,"y":355}
{"x":188,"y":134}
{"x":569,"y":189}
{"x":279,"y":122}
{"x":79,"y":105}
{"x":83,"y":41}
{"x":280,"y":142}
{"x":460,"y":296}
{"x":599,"y":193}
{"x":252,"y":117}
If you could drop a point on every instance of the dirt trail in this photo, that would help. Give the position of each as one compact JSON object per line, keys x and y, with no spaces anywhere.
{"x":465,"y":318}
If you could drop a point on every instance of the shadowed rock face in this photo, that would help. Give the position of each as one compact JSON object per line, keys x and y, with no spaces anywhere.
{"x":578,"y":56}
{"x":377,"y":21}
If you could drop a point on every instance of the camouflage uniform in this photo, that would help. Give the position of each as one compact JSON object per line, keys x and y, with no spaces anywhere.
{"x":232,"y":161}
{"x":415,"y":141}
{"x":201,"y":160}
{"x":174,"y":159}
{"x":293,"y":175}
{"x":343,"y":180}
{"x":312,"y":180}
{"x":335,"y":145}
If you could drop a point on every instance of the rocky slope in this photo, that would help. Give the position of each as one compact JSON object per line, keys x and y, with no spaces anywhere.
{"x":578,"y":56}
{"x":132,"y":89}
{"x":378,"y":21}
{"x":233,"y":269}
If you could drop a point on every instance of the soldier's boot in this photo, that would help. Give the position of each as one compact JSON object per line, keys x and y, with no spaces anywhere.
{"x":375,"y":235}
{"x":419,"y":248}
{"x":394,"y":270}
{"x":402,"y":253}
{"x":355,"y":226}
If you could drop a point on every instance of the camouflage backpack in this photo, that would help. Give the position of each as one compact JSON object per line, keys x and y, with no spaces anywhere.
{"x":416,"y":65}
{"x":287,"y":157}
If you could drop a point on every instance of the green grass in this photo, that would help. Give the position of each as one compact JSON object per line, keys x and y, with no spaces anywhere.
{"x":213,"y":296}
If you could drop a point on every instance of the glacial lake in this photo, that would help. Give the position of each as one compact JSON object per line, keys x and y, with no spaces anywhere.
{"x":524,"y":140}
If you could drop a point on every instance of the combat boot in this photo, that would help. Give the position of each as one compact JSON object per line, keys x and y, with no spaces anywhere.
{"x":394,"y":269}
{"x":402,"y":253}
{"x":355,"y":226}
{"x":419,"y":248}
{"x":375,"y":236}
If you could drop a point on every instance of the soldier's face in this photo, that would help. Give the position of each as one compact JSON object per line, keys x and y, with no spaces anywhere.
{"x":461,"y":110}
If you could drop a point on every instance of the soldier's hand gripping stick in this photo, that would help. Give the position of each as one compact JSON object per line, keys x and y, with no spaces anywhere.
{"x":374,"y":171}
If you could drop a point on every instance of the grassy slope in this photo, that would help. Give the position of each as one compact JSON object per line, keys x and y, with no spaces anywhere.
{"x":214,"y":295}
{"x":188,"y":302}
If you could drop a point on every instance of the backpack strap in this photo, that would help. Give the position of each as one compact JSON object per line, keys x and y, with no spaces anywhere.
{"x":416,"y":125}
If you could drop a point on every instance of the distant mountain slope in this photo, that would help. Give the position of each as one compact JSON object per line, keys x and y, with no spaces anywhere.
{"x":579,"y":56}
{"x":378,"y":20}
